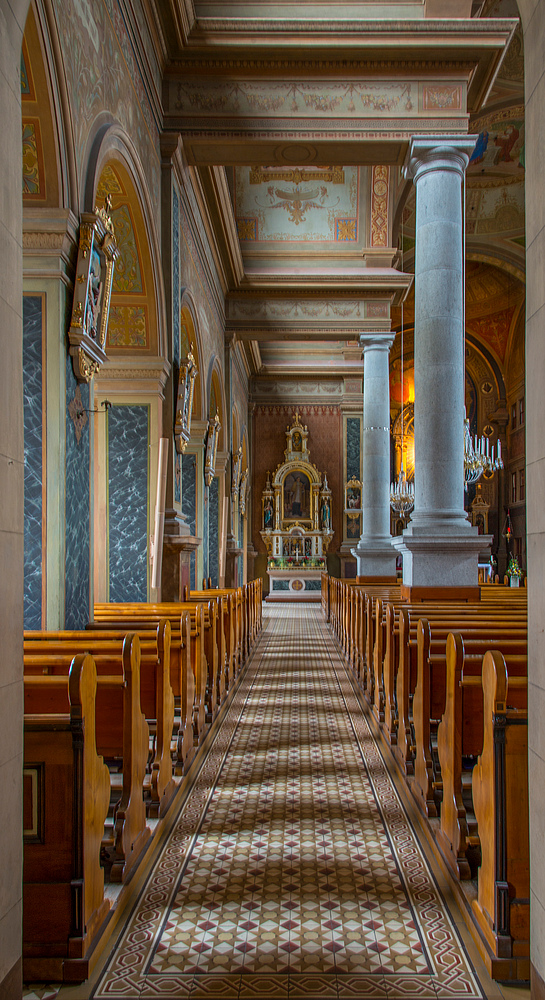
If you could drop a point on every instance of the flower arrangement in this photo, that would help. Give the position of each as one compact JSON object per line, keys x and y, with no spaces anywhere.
{"x":513,"y":568}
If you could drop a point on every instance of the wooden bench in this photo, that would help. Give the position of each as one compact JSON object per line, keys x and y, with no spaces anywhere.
{"x":66,"y":796}
{"x":48,"y":654}
{"x":501,"y":805}
{"x":122,"y":735}
{"x":460,"y":734}
{"x":143,"y":616}
{"x":433,"y":688}
{"x":402,"y":646}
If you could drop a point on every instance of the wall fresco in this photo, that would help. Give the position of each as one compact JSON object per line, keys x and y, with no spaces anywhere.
{"x":102,"y":72}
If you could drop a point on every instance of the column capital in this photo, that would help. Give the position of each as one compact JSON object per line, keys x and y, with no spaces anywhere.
{"x":377,"y":339}
{"x":428,"y":153}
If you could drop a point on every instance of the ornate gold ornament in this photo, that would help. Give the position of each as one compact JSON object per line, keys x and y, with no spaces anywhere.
{"x":97,"y":254}
{"x":214,"y":427}
{"x":296,"y":508}
{"x":184,"y":404}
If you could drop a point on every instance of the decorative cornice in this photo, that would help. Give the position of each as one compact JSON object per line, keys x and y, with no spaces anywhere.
{"x":209,"y":64}
{"x":386,"y":29}
{"x":117,"y":370}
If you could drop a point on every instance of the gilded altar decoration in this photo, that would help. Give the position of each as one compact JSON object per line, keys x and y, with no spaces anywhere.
{"x":243,"y":491}
{"x":235,"y":474}
{"x":184,"y":403}
{"x":97,"y":254}
{"x":296,"y":513}
{"x":352,"y":496}
{"x":214,"y":427}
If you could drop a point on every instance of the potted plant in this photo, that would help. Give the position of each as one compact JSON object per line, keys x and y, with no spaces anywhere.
{"x":514,"y":571}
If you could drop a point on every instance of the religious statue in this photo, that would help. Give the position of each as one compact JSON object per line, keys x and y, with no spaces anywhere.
{"x":325,"y":514}
{"x":268,"y":514}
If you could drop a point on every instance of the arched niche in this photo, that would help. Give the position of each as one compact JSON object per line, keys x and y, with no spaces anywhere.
{"x":133,"y":325}
{"x":190,"y":340}
{"x":41,"y":160}
{"x":216,"y":400}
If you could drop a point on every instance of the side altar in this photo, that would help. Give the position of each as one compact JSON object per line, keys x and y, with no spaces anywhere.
{"x":296,"y":521}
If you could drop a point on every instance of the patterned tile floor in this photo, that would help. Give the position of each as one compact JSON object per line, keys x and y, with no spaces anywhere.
{"x":293,"y":871}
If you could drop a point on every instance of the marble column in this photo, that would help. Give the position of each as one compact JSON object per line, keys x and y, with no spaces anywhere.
{"x":439,"y":546}
{"x":374,"y":553}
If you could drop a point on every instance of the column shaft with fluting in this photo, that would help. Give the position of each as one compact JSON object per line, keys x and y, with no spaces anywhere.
{"x":374,"y":554}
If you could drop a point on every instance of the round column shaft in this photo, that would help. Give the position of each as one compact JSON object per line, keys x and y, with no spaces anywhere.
{"x":439,"y":547}
{"x":374,"y":553}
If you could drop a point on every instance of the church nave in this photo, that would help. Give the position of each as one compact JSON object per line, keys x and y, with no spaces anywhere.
{"x":293,"y":870}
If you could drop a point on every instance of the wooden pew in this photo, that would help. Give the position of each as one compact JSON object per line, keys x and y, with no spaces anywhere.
{"x":432,"y":692}
{"x":66,"y":795}
{"x":48,"y":654}
{"x":229,"y":641}
{"x":143,"y":616}
{"x":406,"y":650}
{"x":500,"y":801}
{"x":122,"y":734}
{"x":461,"y":733}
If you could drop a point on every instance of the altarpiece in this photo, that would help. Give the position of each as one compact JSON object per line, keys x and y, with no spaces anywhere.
{"x":296,"y":518}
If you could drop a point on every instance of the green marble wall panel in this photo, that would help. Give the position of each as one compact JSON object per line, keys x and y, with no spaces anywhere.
{"x":189,"y":503}
{"x":128,"y":490}
{"x":353,"y":447}
{"x":213,"y":531}
{"x":77,"y":512}
{"x":33,"y":509}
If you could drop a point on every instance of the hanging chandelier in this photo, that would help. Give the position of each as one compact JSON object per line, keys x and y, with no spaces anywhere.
{"x":479,"y":457}
{"x":402,"y":492}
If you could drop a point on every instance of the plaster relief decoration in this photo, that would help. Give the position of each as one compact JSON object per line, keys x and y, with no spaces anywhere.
{"x":318,"y":204}
{"x":379,"y":206}
{"x":296,"y":517}
{"x":243,"y":490}
{"x":294,"y":98}
{"x":97,"y":254}
{"x":214,"y":427}
{"x":235,"y":477}
{"x":184,"y":404}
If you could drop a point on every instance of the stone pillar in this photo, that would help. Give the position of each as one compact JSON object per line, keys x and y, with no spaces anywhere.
{"x":439,"y":546}
{"x":375,"y":556}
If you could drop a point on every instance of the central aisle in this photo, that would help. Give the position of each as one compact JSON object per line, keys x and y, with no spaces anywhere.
{"x":293,"y":870}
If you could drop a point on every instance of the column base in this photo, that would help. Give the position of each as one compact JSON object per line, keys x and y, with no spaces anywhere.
{"x":441,"y":562}
{"x":375,"y":559}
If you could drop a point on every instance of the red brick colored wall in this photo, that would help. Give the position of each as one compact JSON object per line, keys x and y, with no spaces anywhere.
{"x":325,"y":447}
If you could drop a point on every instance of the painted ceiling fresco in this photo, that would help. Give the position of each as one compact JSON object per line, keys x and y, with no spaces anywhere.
{"x":299,"y":206}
